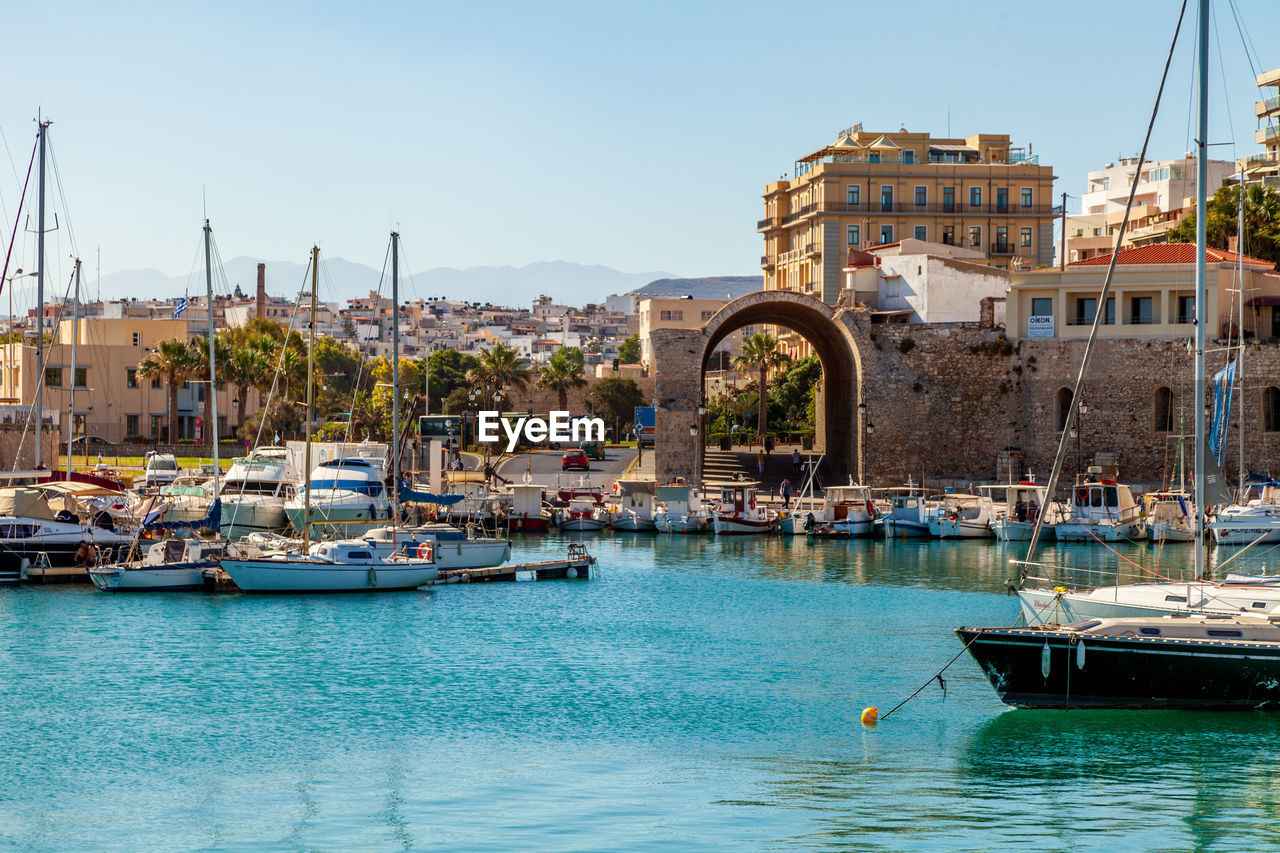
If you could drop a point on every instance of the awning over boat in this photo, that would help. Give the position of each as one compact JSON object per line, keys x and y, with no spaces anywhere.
{"x":408,"y":495}
{"x":76,"y":489}
{"x":24,"y":503}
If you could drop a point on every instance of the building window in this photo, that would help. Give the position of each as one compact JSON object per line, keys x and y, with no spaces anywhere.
{"x":853,"y":195}
{"x":853,"y":235}
{"x":82,"y":377}
{"x":155,"y":383}
{"x":948,"y":199}
{"x":707,"y":315}
{"x":975,"y":197}
{"x":1271,"y":409}
{"x":922,"y":233}
{"x":948,"y":235}
{"x":132,"y":424}
{"x":671,"y":316}
{"x":1002,"y":200}
{"x":137,"y":339}
{"x":1186,"y":309}
{"x":1140,"y":311}
{"x":886,"y":234}
{"x":1042,"y":306}
{"x":886,"y":199}
{"x":53,"y":377}
{"x":131,"y":377}
{"x":908,"y":156}
{"x":1109,"y":315}
{"x":1002,"y":239}
{"x":1086,"y":310}
{"x":1162,"y":407}
{"x":155,"y":426}
{"x":1026,"y":197}
{"x":1024,"y":238}
{"x":975,"y":236}
{"x":922,"y":196}
{"x":873,"y":157}
{"x":1062,"y":407}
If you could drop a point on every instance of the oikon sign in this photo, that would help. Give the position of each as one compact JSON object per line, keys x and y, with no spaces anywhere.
{"x":559,"y":428}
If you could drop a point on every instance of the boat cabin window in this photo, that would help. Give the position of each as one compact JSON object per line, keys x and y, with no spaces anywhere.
{"x":1225,"y":632}
{"x":359,"y":555}
{"x":1113,"y":496}
{"x":1150,"y":632}
{"x":1181,"y":598}
{"x":1259,"y":605}
{"x":17,"y":531}
{"x":363,"y":487}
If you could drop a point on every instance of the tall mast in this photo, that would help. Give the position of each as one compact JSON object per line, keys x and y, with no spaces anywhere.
{"x":1239,"y":383}
{"x":44,"y":132}
{"x":212,"y":428}
{"x":1197,"y":409}
{"x":395,"y":377}
{"x":71,"y":403}
{"x":311,"y":366}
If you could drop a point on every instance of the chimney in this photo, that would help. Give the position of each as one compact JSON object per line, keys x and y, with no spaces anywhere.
{"x":260,"y":308}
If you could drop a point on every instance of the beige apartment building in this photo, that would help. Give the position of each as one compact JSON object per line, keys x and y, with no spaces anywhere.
{"x":674,"y":312}
{"x":871,"y":188}
{"x":1264,"y":168}
{"x":111,"y":401}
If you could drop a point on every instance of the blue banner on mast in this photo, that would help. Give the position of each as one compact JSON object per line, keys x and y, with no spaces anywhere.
{"x":1223,"y":381}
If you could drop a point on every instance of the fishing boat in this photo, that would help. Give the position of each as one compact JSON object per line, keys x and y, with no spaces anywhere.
{"x":1101,"y":511}
{"x":527,"y":513}
{"x":739,"y":513}
{"x":961,"y":516}
{"x":1014,"y":518}
{"x":581,"y":516}
{"x":680,"y":510}
{"x":350,"y":565}
{"x":635,"y":507}
{"x":909,"y":512}
{"x":1170,"y":515}
{"x":847,"y":510}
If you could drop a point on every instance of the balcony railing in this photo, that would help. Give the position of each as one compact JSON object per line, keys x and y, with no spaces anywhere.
{"x":799,"y":213}
{"x":1268,"y":158}
{"x":1268,"y":105}
{"x":764,"y":223}
{"x":937,"y":209}
{"x":1002,"y":249}
{"x":1266,"y":134}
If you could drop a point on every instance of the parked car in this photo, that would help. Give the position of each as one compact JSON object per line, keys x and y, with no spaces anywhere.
{"x":86,"y":443}
{"x":594,"y":449}
{"x":574,"y":457}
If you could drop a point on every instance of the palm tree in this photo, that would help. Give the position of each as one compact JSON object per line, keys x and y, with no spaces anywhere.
{"x":760,"y":352}
{"x":499,"y":368}
{"x":562,"y":372}
{"x":246,"y":368}
{"x":174,"y":362}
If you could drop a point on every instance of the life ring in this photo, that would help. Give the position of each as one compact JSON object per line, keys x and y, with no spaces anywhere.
{"x":871,"y":508}
{"x":1082,"y":495}
{"x":615,"y":487}
{"x":424,"y":551}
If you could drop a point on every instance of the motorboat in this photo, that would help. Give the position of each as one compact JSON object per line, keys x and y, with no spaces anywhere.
{"x":1256,"y":519}
{"x":1170,"y":515}
{"x":740,"y":514}
{"x":581,"y":516}
{"x":168,"y":565}
{"x":349,"y":565}
{"x":33,"y":534}
{"x":1102,"y":510}
{"x":635,"y":508}
{"x":347,"y":498}
{"x":1204,"y":662}
{"x":680,"y":510}
{"x":254,"y":492}
{"x":961,"y":516}
{"x":909,"y":511}
{"x":1014,"y":518}
{"x":450,"y":547}
{"x":528,"y":513}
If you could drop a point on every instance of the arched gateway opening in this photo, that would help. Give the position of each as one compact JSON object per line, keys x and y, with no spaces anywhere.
{"x":679,"y":367}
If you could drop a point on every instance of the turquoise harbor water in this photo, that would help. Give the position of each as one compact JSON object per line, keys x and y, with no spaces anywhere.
{"x":700,"y":694}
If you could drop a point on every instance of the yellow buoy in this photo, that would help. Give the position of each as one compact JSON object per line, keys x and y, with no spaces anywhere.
{"x":870,"y":716}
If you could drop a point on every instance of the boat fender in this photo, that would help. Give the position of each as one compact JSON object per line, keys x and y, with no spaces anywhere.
{"x":424,"y":551}
{"x":373,"y":576}
{"x":1080,"y":654}
{"x":1044,"y":660}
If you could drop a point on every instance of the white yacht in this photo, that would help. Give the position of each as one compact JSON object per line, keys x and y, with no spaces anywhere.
{"x":32,"y":533}
{"x":1257,"y":519}
{"x":254,"y":493}
{"x":347,"y":498}
{"x":349,"y":565}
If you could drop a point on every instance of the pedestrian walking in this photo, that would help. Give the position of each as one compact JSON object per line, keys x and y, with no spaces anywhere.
{"x":760,"y":463}
{"x":795,"y":463}
{"x":786,"y":494}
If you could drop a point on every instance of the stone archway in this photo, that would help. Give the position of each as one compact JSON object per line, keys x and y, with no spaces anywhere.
{"x":679,"y":362}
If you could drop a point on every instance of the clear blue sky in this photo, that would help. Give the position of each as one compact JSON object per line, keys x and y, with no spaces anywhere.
{"x":638,"y":136}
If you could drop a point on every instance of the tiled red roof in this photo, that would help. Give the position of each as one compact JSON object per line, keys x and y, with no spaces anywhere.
{"x":1169,"y":253}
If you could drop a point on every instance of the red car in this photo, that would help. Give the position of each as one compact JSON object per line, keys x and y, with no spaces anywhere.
{"x":575,"y":457}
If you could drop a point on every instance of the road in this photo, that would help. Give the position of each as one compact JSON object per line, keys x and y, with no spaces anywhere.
{"x":544,"y":467}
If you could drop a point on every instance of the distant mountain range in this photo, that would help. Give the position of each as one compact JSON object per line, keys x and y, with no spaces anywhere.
{"x":565,"y":282}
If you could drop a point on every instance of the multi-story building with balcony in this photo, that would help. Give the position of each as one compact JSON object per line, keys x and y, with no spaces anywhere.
{"x":874,"y":188}
{"x":1264,"y":168}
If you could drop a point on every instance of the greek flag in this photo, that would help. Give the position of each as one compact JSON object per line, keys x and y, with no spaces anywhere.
{"x":182,"y":306}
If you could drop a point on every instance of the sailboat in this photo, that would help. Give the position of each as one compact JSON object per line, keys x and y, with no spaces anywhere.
{"x":349,"y":565}
{"x":178,"y":563}
{"x":1218,"y":656}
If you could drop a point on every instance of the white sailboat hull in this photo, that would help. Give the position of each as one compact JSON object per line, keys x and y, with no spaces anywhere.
{"x":1043,"y":606}
{"x":305,"y":575}
{"x":149,"y":578}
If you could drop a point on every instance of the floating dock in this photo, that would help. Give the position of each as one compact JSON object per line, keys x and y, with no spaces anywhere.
{"x":575,"y":567}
